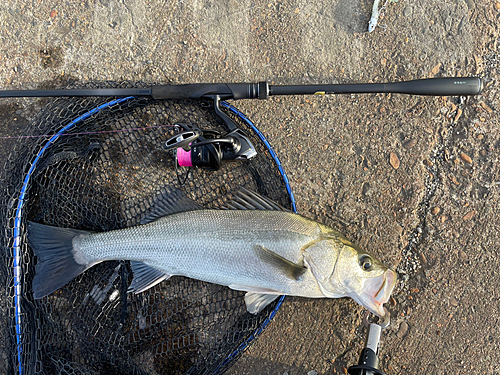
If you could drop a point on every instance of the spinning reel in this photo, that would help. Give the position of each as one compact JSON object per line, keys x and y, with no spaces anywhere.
{"x":209,"y":149}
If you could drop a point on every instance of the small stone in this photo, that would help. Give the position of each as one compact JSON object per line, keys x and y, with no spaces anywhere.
{"x":497,"y":5}
{"x":423,"y":259}
{"x":454,"y":180}
{"x":469,"y":215}
{"x":453,"y":302}
{"x":485,"y":106}
{"x":435,"y":210}
{"x":407,"y":11}
{"x":462,"y":255}
{"x":465,"y":158}
{"x":394,"y":160}
{"x":53,"y":14}
{"x":411,"y":143}
{"x":480,"y":136}
{"x":435,"y":70}
{"x":403,"y":329}
{"x":312,"y":372}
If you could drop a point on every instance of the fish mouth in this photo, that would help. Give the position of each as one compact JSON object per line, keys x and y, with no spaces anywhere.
{"x":384,"y":293}
{"x":375,"y":294}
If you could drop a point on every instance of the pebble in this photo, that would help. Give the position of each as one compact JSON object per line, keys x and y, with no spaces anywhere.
{"x":312,"y":372}
{"x":462,"y":254}
{"x":435,"y":70}
{"x":453,"y":302}
{"x":465,"y":158}
{"x":435,"y":210}
{"x":469,"y":215}
{"x":403,"y":329}
{"x":486,"y":107}
{"x":497,"y":6}
{"x":394,"y":160}
{"x":407,"y":11}
{"x":411,"y":143}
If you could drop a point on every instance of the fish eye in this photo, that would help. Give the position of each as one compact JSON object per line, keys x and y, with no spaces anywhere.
{"x":366,"y":262}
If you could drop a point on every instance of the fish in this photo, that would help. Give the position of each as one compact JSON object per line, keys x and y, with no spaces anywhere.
{"x":249,"y":244}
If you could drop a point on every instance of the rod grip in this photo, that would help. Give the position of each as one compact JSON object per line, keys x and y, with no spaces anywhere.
{"x":188,"y":91}
{"x":198,"y":90}
{"x":449,"y":86}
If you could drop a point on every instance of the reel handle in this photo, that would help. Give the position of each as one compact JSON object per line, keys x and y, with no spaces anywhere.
{"x":183,"y":140}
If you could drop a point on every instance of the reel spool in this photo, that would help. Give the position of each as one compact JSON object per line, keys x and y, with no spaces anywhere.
{"x":209,"y":149}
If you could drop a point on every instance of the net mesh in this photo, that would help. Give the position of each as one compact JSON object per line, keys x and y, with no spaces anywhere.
{"x":103,"y":172}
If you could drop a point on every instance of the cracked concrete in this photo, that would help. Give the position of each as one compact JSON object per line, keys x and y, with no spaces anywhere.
{"x":437,"y":211}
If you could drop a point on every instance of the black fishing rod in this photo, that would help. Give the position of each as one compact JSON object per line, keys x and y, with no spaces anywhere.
{"x":196,"y":148}
{"x":451,"y":86}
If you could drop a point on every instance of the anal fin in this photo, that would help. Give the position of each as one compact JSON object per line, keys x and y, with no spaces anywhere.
{"x":145,"y":277}
{"x":256,"y":302}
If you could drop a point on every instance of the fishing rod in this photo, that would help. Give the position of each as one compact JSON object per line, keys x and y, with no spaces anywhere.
{"x":208,"y":149}
{"x":449,"y":86}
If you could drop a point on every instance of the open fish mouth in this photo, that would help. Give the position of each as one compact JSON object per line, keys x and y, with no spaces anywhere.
{"x":373,"y":299}
{"x":384,"y":293}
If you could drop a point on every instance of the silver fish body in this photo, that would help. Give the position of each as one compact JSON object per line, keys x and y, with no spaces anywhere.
{"x":264,"y":252}
{"x":216,"y":246}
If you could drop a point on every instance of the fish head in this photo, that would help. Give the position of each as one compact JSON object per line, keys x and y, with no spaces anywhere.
{"x":344,"y":269}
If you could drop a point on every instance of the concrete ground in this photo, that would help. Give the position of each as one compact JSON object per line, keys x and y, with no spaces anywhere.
{"x":414,"y":180}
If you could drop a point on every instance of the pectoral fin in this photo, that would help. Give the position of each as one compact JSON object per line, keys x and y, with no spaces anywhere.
{"x":257,"y":302}
{"x":278,"y":263}
{"x":145,"y":277}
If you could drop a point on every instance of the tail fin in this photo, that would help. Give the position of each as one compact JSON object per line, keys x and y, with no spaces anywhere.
{"x":56,"y":262}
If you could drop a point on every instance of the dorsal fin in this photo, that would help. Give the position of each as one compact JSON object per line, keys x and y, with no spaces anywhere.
{"x":169,"y":202}
{"x":245,"y":199}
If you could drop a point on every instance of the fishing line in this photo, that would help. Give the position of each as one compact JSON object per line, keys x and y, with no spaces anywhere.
{"x":89,"y":133}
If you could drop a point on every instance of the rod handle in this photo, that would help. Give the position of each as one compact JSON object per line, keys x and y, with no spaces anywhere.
{"x":449,"y":86}
{"x":199,"y":90}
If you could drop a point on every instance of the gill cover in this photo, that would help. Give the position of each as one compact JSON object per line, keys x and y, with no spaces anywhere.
{"x":322,"y":258}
